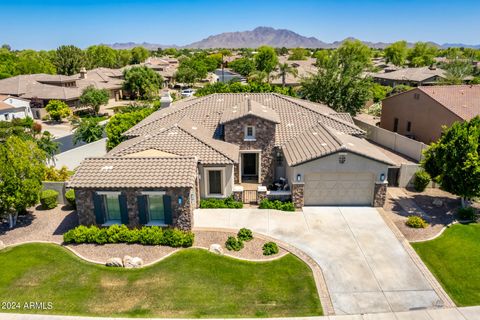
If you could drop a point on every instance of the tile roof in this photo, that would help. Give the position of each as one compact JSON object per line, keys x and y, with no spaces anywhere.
{"x":410,"y":74}
{"x":462,"y":100}
{"x":295,"y":115}
{"x":249,"y":107}
{"x":183,"y":138}
{"x":320,"y":141}
{"x":111,"y":173}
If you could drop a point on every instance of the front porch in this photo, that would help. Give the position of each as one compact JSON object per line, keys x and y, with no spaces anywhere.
{"x":253,"y":193}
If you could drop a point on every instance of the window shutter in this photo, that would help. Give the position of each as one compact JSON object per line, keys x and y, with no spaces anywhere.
{"x":167,"y":207}
{"x":122,"y":198}
{"x":142,"y":209}
{"x":98,"y":208}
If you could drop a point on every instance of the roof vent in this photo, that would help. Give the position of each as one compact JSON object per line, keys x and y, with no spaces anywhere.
{"x":249,"y":105}
{"x":106,"y":168}
{"x":324,"y":144}
{"x":314,"y":133}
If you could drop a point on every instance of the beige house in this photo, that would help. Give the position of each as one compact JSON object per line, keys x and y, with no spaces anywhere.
{"x":249,"y":146}
{"x":420,"y":113}
{"x":305,"y":68}
{"x":409,"y":76}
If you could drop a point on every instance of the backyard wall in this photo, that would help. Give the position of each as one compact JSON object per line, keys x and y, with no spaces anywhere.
{"x":58,"y":186}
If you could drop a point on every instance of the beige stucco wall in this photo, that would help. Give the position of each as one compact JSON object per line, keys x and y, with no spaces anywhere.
{"x":227,"y":178}
{"x":354,"y":163}
{"x":426,"y":115}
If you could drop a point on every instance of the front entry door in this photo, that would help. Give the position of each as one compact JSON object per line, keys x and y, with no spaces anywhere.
{"x":249,"y":162}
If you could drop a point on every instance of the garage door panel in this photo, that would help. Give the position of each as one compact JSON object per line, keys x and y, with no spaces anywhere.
{"x":338,"y":189}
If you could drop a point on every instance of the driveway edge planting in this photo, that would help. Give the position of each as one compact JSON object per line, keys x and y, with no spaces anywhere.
{"x":324,"y":295}
{"x":436,"y":286}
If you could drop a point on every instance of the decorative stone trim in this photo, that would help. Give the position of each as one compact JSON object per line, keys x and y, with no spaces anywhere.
{"x":238,"y":193}
{"x":298,"y":189}
{"x":380,"y":194}
{"x":261,"y":193}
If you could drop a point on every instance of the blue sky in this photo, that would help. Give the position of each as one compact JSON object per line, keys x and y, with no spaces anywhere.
{"x":47,"y":24}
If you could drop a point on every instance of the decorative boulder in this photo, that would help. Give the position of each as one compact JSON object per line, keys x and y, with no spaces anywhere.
{"x":132,"y":262}
{"x":437,"y":202}
{"x":114,"y":262}
{"x":216,"y":248}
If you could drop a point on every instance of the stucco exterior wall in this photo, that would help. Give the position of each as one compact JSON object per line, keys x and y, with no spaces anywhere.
{"x":426,"y":115}
{"x":227,"y":178}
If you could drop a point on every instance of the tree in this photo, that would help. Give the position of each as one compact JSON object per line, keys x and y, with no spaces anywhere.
{"x":422,"y":54}
{"x":94,"y":98}
{"x":23,"y":166}
{"x":266,"y":60}
{"x":142,"y":82}
{"x":121,"y":122}
{"x":299,"y":54}
{"x":58,"y":110}
{"x":243,"y":66}
{"x":322,"y":56}
{"x":192,"y":70}
{"x":379,"y":92}
{"x":285,"y":69}
{"x":283,"y":51}
{"x":88,"y":130}
{"x":396,"y":53}
{"x":30,"y":62}
{"x":139,"y":55}
{"x":457,"y":70}
{"x":69,"y":60}
{"x":48,"y":145}
{"x":258,"y":76}
{"x":453,"y":161}
{"x":123,"y":58}
{"x":101,"y":56}
{"x":340,"y":82}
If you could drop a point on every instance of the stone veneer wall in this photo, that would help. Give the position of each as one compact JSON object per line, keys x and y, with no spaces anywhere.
{"x":182,"y":215}
{"x":265,"y":141}
{"x":298,"y":189}
{"x":379,"y":194}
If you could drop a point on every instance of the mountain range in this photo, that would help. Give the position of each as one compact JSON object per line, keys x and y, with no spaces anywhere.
{"x":270,"y":37}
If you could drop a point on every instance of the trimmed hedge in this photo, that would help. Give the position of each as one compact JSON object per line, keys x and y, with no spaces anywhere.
{"x":416,"y":222}
{"x":214,"y":203}
{"x":270,"y":248}
{"x":421,"y":181}
{"x":467,"y":213}
{"x":234,"y":244}
{"x":70,"y":196}
{"x":171,"y":237}
{"x":245,"y":234}
{"x":48,"y":199}
{"x":277,"y":205}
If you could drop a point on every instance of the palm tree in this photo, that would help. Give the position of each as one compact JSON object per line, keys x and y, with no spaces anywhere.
{"x":48,"y":145}
{"x":258,"y":76}
{"x":285,"y":69}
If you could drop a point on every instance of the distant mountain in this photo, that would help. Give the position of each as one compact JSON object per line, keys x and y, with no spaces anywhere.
{"x":270,"y":37}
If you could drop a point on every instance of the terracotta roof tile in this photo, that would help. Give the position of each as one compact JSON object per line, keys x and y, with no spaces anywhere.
{"x":249,"y":107}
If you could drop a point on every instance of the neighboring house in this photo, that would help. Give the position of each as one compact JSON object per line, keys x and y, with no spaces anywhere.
{"x":238,"y":141}
{"x":420,"y":113}
{"x":41,"y":88}
{"x":14,"y":108}
{"x":165,"y":66}
{"x":305,"y":68}
{"x":409,"y":76}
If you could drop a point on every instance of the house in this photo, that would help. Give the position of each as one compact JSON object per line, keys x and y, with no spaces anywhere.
{"x":225,"y":145}
{"x":14,"y":108}
{"x":409,"y":76}
{"x":41,"y":88}
{"x":165,"y":66}
{"x":305,"y":68}
{"x":420,"y":113}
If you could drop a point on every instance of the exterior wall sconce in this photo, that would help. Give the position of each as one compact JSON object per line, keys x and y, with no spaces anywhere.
{"x":299,"y":177}
{"x":180,"y":200}
{"x":382,"y":177}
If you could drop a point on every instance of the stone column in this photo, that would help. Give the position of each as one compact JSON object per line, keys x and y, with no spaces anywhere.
{"x":261,"y":193}
{"x":238,"y":193}
{"x":297,"y":194}
{"x":380,"y":193}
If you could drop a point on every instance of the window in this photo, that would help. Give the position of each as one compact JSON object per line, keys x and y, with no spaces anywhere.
{"x":7,"y":116}
{"x":342,"y":158}
{"x":112,"y":209}
{"x":409,"y":126}
{"x":395,"y":125}
{"x":156,"y":211}
{"x":279,"y":159}
{"x":215,"y":182}
{"x":249,"y":133}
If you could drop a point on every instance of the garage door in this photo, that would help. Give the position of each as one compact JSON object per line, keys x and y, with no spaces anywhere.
{"x":322,"y":189}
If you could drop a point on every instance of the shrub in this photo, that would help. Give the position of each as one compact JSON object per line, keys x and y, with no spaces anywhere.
{"x":70,"y":196}
{"x":48,"y":199}
{"x":277,"y":205}
{"x":53,"y":174}
{"x":270,"y":248}
{"x":215,"y":203}
{"x":122,"y":234}
{"x":467,"y":213}
{"x":422,"y":179}
{"x":233,"y":243}
{"x":416,"y":222}
{"x":245,"y":234}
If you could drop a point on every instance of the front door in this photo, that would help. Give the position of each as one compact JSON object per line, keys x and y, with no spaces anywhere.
{"x":249,"y":163}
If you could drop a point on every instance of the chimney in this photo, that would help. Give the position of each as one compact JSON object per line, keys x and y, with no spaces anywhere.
{"x":83,"y":73}
{"x":433,"y":67}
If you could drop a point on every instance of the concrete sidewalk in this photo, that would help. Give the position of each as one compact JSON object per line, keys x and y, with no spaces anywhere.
{"x":468,"y":313}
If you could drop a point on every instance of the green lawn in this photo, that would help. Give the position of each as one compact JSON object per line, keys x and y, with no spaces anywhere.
{"x":454,"y":258}
{"x":190,"y":283}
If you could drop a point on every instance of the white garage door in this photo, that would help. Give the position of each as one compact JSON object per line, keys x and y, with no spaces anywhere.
{"x":322,"y":189}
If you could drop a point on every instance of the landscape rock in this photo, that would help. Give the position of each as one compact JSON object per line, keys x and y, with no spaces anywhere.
{"x":2,"y":245}
{"x":437,"y":202}
{"x":216,"y":248}
{"x":114,"y":262}
{"x":132,"y":262}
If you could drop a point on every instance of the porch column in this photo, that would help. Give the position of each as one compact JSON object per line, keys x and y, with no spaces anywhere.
{"x":261,"y":193}
{"x":297,"y":194}
{"x":380,"y":193}
{"x":238,"y":193}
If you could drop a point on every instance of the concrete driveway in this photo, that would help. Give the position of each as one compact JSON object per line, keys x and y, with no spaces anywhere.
{"x":365,"y":267}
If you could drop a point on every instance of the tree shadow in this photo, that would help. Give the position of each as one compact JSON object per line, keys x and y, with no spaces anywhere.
{"x":23,"y":220}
